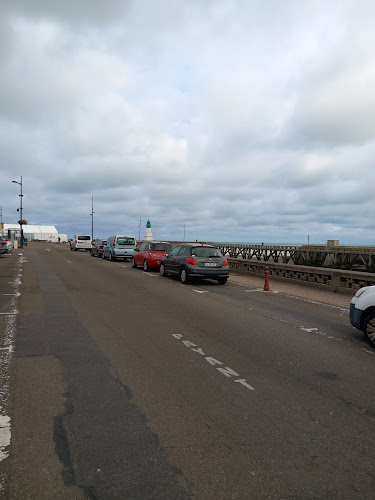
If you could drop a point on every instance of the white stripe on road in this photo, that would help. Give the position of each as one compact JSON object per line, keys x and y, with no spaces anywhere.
{"x":199,"y":291}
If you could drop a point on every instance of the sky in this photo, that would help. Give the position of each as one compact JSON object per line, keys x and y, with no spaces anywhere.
{"x":223,"y":120}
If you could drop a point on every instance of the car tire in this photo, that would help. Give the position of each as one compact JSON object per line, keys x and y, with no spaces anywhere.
{"x":146,"y":267}
{"x":222,"y":281}
{"x":71,"y":248}
{"x":184,"y":276}
{"x":162,"y":270}
{"x":369,"y":328}
{"x":111,"y":257}
{"x":103,"y":256}
{"x":134,"y":264}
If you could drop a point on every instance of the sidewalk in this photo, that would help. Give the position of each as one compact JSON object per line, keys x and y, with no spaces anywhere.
{"x":303,"y":291}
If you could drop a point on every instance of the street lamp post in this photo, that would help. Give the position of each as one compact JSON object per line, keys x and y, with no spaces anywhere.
{"x":20,"y":209}
{"x":92,"y":218}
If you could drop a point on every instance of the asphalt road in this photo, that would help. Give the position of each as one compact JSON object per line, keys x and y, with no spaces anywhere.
{"x":123,"y":384}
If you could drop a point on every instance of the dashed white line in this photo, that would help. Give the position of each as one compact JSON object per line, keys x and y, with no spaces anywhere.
{"x":227,"y":371}
{"x":199,"y":291}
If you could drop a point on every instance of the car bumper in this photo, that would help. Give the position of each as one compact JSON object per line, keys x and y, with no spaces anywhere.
{"x":212,"y":274}
{"x":355,"y":316}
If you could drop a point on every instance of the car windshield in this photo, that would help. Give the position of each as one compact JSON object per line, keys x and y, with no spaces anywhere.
{"x":205,"y":252}
{"x":125,"y":241}
{"x":162,"y":247}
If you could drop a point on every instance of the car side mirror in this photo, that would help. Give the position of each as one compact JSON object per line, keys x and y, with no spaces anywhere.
{"x":136,"y":249}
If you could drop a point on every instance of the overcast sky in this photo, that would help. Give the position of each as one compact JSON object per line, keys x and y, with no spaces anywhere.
{"x":231,"y":120}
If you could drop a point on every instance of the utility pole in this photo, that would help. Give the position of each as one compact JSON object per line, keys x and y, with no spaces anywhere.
{"x":20,"y":210}
{"x":92,"y":218}
{"x":139,"y":227}
{"x":184,"y":231}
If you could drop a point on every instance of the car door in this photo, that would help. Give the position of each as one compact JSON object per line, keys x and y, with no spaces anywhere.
{"x":137,"y":256}
{"x":170,"y":262}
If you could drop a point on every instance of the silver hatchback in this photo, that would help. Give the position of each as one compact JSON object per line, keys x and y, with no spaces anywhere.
{"x":6,"y":246}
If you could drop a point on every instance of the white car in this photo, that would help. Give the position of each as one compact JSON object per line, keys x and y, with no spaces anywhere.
{"x":362,"y":312}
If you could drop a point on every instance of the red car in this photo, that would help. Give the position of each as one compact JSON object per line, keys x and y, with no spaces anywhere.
{"x":149,"y":253}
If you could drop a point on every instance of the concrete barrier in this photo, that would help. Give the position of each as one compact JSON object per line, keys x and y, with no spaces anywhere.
{"x":335,"y":280}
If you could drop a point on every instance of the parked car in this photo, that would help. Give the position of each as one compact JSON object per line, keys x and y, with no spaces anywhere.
{"x":149,"y":253}
{"x":6,"y":246}
{"x":195,"y":260}
{"x":119,"y":247}
{"x":362,"y":312}
{"x":97,"y":248}
{"x":81,"y":242}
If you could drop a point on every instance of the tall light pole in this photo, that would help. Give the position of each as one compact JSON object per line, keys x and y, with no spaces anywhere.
{"x":92,"y":218}
{"x":20,"y":209}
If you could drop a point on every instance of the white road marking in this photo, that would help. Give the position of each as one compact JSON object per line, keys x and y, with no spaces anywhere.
{"x":308,"y":329}
{"x":4,"y":435}
{"x":200,"y":291}
{"x":5,"y":360}
{"x":68,"y":261}
{"x":227,"y":371}
{"x":8,"y":348}
{"x":47,"y":249}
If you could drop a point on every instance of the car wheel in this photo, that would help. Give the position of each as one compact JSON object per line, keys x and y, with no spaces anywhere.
{"x":222,"y":281}
{"x":103,"y":255}
{"x":184,"y":276}
{"x":162,"y":270}
{"x":369,"y":328}
{"x":71,"y":248}
{"x":134,"y":264}
{"x":145,"y":266}
{"x":111,"y":257}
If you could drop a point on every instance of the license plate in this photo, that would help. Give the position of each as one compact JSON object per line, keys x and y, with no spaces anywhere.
{"x":210,"y":264}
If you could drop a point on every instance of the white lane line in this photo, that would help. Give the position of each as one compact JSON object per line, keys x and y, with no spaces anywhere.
{"x":199,"y":291}
{"x":12,"y":313}
{"x":68,"y":261}
{"x":47,"y":249}
{"x":12,"y":294}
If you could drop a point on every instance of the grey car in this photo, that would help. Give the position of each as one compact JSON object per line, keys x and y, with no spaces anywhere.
{"x":97,"y":248}
{"x":195,"y":260}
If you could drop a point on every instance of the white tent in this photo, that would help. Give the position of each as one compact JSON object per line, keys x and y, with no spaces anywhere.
{"x":33,"y":232}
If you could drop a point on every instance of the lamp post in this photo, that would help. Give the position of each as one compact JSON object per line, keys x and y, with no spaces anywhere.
{"x":92,"y":218}
{"x":20,"y":209}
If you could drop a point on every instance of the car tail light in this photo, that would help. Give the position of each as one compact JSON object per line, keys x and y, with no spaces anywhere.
{"x":101,"y":247}
{"x":114,"y":241}
{"x":225,"y":263}
{"x":3,"y":243}
{"x":191,"y":261}
{"x":76,"y":242}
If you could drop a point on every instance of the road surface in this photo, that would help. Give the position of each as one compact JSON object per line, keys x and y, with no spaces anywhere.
{"x":123,"y":384}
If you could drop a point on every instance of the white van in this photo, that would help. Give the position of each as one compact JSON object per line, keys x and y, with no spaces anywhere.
{"x":119,"y":247}
{"x":81,"y":242}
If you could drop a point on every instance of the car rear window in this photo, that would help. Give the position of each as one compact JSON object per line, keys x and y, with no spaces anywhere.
{"x":84,"y":237}
{"x":162,"y":247}
{"x":205,"y":252}
{"x":125,"y":241}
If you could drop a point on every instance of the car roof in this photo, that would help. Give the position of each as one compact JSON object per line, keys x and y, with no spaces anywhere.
{"x":197,"y":245}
